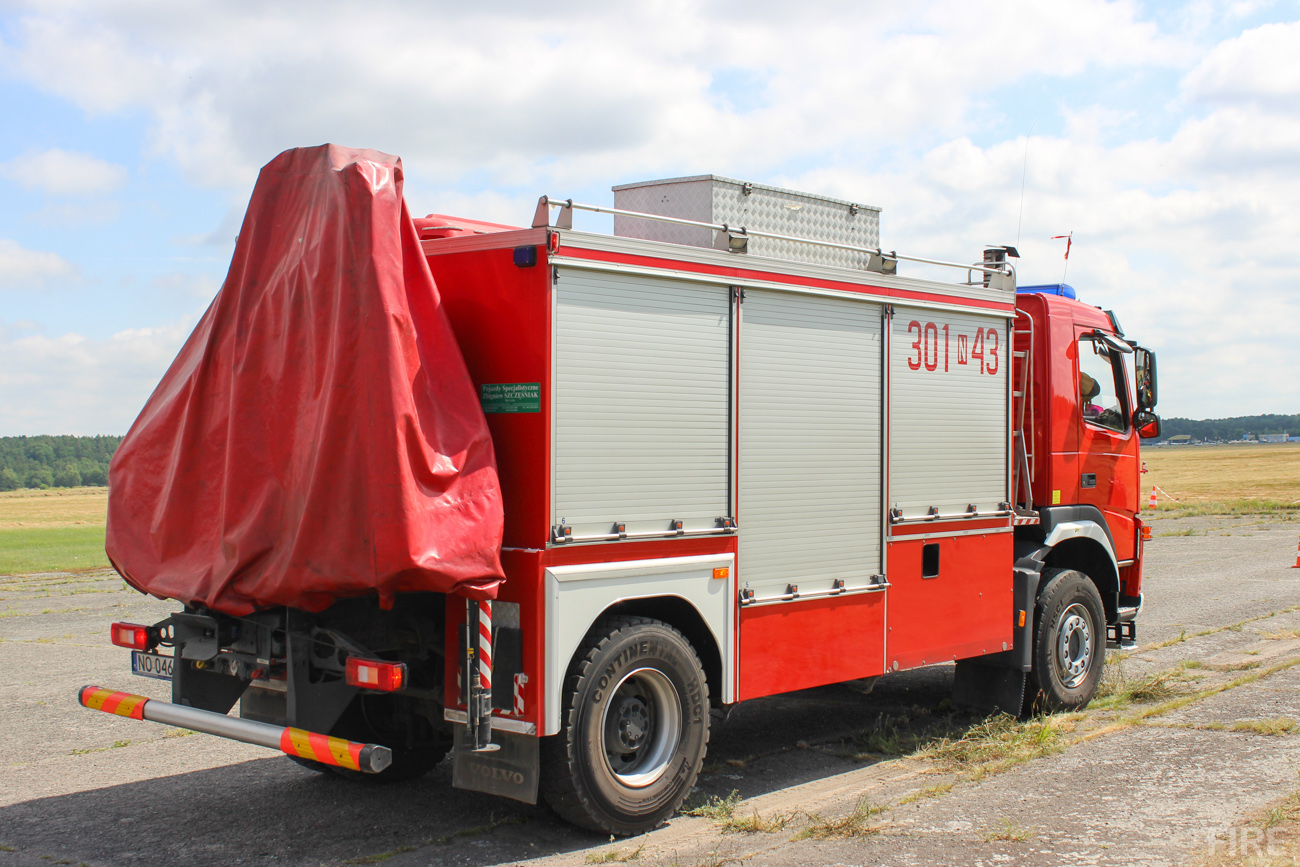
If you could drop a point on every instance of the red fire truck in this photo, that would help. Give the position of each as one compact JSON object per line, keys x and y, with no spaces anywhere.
{"x":740,"y":453}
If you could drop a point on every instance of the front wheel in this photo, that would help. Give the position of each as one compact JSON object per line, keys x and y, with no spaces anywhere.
{"x":634,"y":730}
{"x":1069,"y":642}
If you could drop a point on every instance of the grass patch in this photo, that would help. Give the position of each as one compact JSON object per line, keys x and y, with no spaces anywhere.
{"x":616,"y":856}
{"x":1225,"y":480}
{"x":899,"y":736}
{"x":854,"y":824}
{"x":1008,"y":832}
{"x":1240,"y":507}
{"x":1118,"y":690}
{"x":756,"y":824}
{"x":1182,"y":636}
{"x":53,"y":507}
{"x":1185,"y":700}
{"x":928,"y":792}
{"x":1279,"y":725}
{"x":381,"y":857}
{"x":479,"y":830}
{"x":998,"y":743}
{"x":715,"y":808}
{"x":52,"y":549}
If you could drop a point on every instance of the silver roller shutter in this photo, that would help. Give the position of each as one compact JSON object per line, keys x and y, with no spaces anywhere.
{"x":642,"y":402}
{"x":948,"y":445}
{"x":809,"y":440}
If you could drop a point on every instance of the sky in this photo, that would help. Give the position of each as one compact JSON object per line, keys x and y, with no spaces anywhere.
{"x":1165,"y":136}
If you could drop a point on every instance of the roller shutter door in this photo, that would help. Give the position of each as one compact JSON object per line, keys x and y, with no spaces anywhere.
{"x":642,"y":402}
{"x":809,"y":440}
{"x":948,"y":396}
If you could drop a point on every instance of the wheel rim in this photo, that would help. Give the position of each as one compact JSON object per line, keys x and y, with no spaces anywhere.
{"x":1074,"y":646}
{"x":642,"y":727}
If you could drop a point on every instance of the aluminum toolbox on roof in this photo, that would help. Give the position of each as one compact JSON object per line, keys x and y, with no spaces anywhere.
{"x":714,"y":199}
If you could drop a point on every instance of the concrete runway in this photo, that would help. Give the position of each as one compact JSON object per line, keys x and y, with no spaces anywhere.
{"x":82,"y":787}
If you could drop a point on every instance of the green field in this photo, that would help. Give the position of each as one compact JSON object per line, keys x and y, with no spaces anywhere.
{"x":51,"y":549}
{"x":1254,"y":479}
{"x":56,"y":530}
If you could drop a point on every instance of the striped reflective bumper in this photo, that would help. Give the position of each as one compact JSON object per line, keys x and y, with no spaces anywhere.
{"x":120,"y":703}
{"x":321,"y":748}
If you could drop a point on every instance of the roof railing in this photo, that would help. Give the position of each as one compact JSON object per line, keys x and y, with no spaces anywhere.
{"x":999,"y":274}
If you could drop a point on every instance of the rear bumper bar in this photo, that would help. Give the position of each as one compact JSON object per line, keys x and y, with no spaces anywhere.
{"x":367,"y":758}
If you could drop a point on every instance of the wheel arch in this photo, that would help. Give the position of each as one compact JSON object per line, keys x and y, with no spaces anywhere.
{"x":686,"y":619}
{"x":1091,"y":556}
{"x":680,"y":591}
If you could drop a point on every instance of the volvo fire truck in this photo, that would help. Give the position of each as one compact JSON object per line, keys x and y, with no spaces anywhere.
{"x":741,"y":452}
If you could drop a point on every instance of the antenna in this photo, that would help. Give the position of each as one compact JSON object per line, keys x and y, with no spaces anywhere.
{"x":1024,"y":170}
{"x":1069,"y":240}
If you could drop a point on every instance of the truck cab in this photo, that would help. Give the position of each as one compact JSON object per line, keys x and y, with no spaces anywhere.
{"x":1085,"y":397}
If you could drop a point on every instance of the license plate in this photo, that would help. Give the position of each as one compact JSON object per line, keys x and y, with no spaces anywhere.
{"x":151,"y":665}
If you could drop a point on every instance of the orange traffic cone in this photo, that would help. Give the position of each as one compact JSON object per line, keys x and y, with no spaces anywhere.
{"x":1152,"y":502}
{"x":1297,"y":558}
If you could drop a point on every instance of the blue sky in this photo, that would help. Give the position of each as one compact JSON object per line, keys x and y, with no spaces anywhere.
{"x":1166,"y":136}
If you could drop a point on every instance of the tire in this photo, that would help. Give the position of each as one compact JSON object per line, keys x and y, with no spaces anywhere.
{"x":634,"y":728}
{"x":1069,"y":643}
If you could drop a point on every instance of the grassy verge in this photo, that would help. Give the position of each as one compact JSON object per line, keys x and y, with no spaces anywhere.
{"x":1234,"y":507}
{"x":52,"y":549}
{"x":1224,"y":480}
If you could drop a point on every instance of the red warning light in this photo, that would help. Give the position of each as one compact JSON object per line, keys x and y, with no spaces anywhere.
{"x":372,"y":674}
{"x":130,"y":635}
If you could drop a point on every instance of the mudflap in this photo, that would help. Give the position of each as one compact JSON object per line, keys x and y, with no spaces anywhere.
{"x":988,"y":688}
{"x":510,"y":772}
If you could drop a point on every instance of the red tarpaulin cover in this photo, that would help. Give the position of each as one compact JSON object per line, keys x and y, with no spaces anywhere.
{"x":318,"y":437}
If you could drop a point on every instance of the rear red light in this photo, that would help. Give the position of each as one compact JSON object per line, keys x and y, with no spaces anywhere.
{"x":130,"y":635}
{"x":371,"y":674}
{"x":1146,"y":533}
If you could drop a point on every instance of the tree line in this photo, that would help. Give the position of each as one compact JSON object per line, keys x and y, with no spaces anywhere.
{"x":1230,"y":428}
{"x":55,"y":461}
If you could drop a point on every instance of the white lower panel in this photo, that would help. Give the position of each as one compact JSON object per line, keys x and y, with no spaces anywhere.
{"x":577,"y":595}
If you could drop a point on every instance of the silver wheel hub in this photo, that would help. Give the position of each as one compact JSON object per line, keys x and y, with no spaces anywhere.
{"x":1074,"y":646}
{"x":642,"y":727}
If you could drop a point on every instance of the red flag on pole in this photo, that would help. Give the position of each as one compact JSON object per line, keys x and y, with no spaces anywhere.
{"x":1069,"y":239}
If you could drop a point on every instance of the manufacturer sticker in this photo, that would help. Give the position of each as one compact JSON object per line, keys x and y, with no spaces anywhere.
{"x":501,"y":397}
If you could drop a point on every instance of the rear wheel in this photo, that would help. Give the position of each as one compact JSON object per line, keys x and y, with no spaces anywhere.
{"x":1069,"y":642}
{"x":634,"y":730}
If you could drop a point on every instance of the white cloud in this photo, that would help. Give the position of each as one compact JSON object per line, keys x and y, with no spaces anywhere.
{"x":71,"y":384}
{"x":519,"y":90}
{"x":1188,"y":233}
{"x":21,"y":268}
{"x":64,"y":173}
{"x":1256,"y":67}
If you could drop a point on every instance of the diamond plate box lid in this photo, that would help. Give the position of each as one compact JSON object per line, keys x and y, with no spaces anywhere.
{"x":715,"y":199}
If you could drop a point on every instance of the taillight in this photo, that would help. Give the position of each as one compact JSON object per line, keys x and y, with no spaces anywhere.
{"x":1146,"y":533}
{"x":369,"y":674}
{"x":130,"y":635}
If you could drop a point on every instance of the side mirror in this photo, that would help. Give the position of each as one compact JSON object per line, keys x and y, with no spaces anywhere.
{"x":1145,"y":378}
{"x":1147,"y":424}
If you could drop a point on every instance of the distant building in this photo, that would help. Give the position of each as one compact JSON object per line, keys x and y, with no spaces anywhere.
{"x":1180,"y":440}
{"x":1273,"y":438}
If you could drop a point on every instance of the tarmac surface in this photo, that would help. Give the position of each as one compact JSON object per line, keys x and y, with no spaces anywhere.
{"x":1168,"y":778}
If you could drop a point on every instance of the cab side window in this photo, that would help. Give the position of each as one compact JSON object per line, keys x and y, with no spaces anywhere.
{"x":1100,"y":372}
